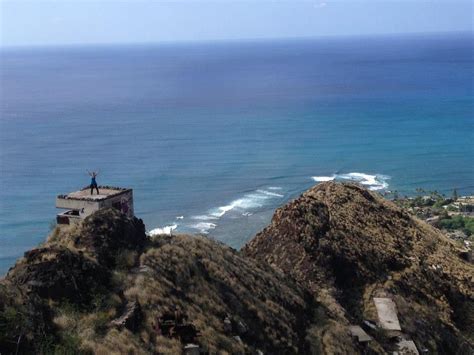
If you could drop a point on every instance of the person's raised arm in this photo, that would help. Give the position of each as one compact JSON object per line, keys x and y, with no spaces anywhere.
{"x":89,"y":172}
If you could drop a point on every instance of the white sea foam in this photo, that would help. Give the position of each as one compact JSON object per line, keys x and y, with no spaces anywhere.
{"x":224,"y":209}
{"x":250,"y":201}
{"x":324,"y":178}
{"x":204,"y":217}
{"x":268,"y":193}
{"x":373,"y":182}
{"x":179,"y":217}
{"x":204,"y":227}
{"x":275,"y":188}
{"x":163,"y":230}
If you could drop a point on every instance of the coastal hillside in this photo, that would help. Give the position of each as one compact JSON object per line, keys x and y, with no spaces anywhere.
{"x":105,"y":288}
{"x":353,"y":249}
{"x":339,"y":270}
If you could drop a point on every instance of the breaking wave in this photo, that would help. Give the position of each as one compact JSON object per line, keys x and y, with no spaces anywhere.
{"x":204,"y":227}
{"x":250,"y":201}
{"x":324,"y":178}
{"x":163,"y":230}
{"x":373,"y":182}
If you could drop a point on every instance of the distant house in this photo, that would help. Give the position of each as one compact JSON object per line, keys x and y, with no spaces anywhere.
{"x":465,"y":204}
{"x":80,"y":204}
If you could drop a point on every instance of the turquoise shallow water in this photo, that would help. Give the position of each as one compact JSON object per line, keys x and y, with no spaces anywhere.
{"x":213,"y":137}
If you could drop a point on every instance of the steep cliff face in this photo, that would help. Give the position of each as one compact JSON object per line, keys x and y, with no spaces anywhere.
{"x":348,"y":245}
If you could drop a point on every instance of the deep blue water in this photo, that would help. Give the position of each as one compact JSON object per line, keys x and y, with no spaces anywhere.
{"x":223,"y":133}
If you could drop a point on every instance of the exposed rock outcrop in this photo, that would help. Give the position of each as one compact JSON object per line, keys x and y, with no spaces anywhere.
{"x":131,"y":317}
{"x":59,"y":273}
{"x":106,"y":233}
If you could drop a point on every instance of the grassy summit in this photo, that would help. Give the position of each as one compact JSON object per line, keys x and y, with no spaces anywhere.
{"x":349,"y":245}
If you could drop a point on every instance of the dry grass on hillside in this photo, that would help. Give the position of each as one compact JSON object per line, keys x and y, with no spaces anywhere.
{"x":208,"y":281}
{"x":354,"y":245}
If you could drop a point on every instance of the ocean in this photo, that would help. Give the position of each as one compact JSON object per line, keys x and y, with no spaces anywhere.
{"x":212,"y":137}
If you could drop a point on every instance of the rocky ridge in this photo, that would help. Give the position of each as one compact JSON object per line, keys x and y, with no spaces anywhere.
{"x":349,"y":245}
{"x":104,"y":287}
{"x":306,"y":284}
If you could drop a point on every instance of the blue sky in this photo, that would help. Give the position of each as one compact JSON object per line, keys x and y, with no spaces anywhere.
{"x":84,"y":22}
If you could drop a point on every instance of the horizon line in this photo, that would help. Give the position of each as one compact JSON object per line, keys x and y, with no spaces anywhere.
{"x":231,"y":40}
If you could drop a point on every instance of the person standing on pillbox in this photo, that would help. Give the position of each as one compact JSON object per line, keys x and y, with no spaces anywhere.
{"x":93,"y":185}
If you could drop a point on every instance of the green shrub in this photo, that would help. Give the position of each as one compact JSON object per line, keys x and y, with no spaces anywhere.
{"x":126,"y":259}
{"x":466,"y":224}
{"x":70,"y":344}
{"x":11,"y":327}
{"x":101,"y":323}
{"x":452,"y":208}
{"x":45,"y":344}
{"x":440,"y":203}
{"x":10,"y":319}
